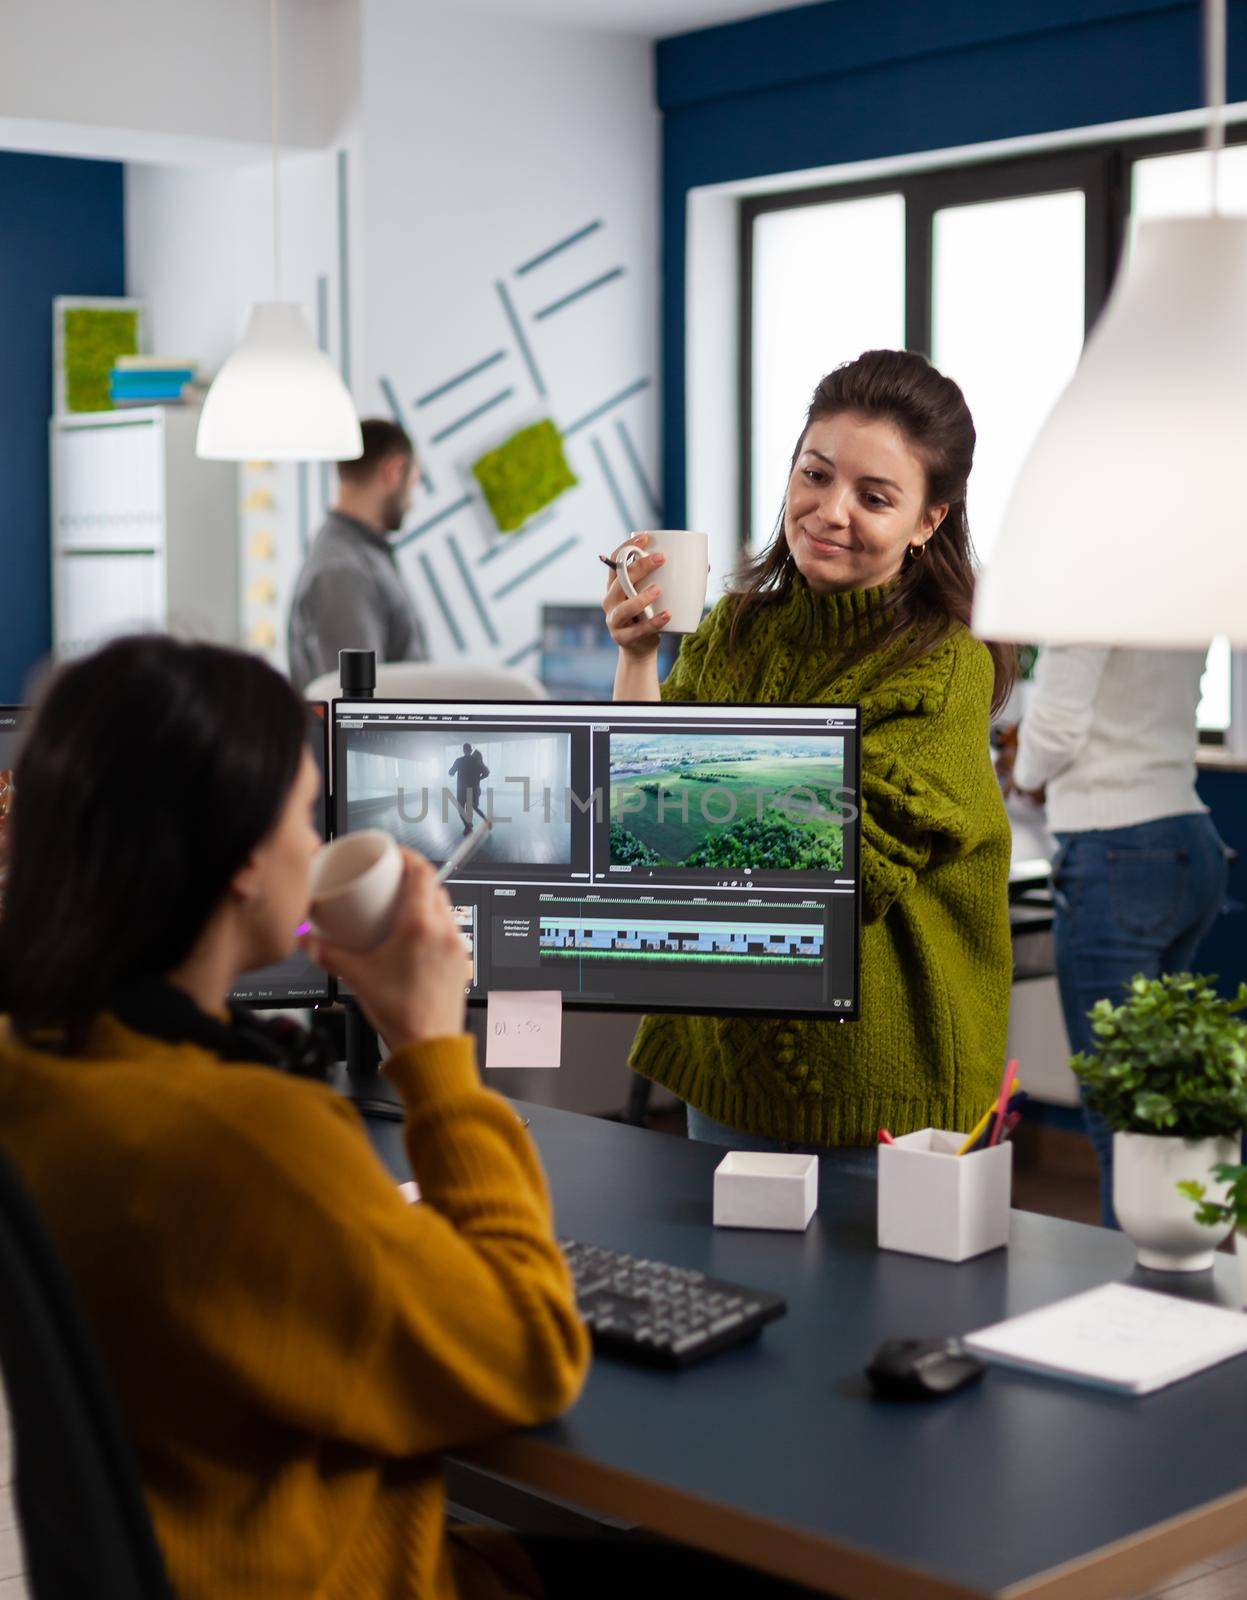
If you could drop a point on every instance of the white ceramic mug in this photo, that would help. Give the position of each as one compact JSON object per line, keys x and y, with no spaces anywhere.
{"x":682,"y":578}
{"x":354,"y":884}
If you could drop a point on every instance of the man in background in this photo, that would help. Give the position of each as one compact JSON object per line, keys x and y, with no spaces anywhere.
{"x":350,"y":595}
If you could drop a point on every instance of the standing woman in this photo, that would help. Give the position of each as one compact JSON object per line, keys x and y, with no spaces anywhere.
{"x":1140,"y":871}
{"x":863,"y":597}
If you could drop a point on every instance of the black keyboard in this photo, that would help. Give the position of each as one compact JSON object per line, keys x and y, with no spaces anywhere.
{"x":663,"y":1315}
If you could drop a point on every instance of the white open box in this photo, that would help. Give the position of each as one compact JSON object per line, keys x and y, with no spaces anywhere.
{"x":933,"y":1202}
{"x":757,"y":1189}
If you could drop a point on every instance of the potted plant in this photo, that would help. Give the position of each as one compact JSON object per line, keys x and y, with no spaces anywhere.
{"x":1169,"y":1076}
{"x":1231,"y":1211}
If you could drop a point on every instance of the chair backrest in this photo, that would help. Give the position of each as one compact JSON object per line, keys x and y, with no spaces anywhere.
{"x":85,"y":1525}
{"x":421,"y":680}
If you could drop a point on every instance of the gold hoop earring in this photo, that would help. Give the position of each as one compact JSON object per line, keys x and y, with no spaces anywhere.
{"x":917,"y":551}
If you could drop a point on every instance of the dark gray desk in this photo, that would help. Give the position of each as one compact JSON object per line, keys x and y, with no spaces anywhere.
{"x":775,"y":1455}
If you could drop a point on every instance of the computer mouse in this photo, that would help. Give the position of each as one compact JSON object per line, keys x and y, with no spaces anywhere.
{"x":921,"y":1369}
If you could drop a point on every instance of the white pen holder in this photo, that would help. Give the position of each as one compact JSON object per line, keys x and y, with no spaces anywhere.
{"x":933,"y":1202}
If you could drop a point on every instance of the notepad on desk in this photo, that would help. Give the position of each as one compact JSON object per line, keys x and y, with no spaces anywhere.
{"x":1117,"y":1337}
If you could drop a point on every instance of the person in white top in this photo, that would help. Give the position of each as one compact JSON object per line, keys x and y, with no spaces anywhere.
{"x":1140,"y":871}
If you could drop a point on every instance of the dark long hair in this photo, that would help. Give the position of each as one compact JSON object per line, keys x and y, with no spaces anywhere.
{"x":149,"y":774}
{"x":937,"y":590}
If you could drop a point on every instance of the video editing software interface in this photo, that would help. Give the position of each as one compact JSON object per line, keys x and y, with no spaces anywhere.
{"x":649,"y":856}
{"x":297,"y":981}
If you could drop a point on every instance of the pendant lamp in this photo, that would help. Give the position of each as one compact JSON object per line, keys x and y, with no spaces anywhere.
{"x":1128,"y":521}
{"x":278,"y":397}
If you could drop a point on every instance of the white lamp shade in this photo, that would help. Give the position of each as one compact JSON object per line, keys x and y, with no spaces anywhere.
{"x":1128,"y":522}
{"x":278,"y":397}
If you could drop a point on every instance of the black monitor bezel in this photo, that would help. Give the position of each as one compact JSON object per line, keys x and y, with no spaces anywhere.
{"x":305,"y":1002}
{"x":576,"y":706}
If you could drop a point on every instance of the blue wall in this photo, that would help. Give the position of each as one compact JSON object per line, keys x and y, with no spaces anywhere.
{"x":62,"y":232}
{"x":856,"y":79}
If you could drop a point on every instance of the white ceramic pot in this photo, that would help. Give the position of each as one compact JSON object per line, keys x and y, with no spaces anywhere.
{"x":1147,"y":1169}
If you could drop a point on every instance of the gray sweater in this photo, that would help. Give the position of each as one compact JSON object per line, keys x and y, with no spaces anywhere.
{"x":350,"y":597}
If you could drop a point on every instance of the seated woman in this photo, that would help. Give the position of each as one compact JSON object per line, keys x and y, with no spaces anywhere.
{"x":862,"y":597}
{"x":293,"y":1346}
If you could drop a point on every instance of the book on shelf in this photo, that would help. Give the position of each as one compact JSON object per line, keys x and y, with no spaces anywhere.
{"x":153,"y":364}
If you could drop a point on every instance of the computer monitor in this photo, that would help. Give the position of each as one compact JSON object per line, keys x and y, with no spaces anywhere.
{"x":12,"y":719}
{"x":656,"y":857}
{"x":297,"y":981}
{"x":578,"y":655}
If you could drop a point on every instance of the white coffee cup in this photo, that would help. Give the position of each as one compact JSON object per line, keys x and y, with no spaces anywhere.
{"x":682,"y":578}
{"x":353,"y":886}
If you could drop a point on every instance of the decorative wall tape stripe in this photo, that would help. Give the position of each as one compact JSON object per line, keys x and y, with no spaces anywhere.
{"x":435,"y":588}
{"x":621,"y":505}
{"x":431,"y":522}
{"x":322,"y":312}
{"x":509,"y":540}
{"x":528,"y":650}
{"x":556,"y":249}
{"x":531,"y":572}
{"x":460,"y":377}
{"x":578,"y":294}
{"x":478,"y":411}
{"x":305,"y":533}
{"x":396,"y":411}
{"x":344,"y":272}
{"x":474,"y":594}
{"x":634,"y":460}
{"x":518,"y":331}
{"x":607,"y":405}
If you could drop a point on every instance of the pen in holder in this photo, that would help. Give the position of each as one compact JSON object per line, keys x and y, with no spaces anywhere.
{"x":933,"y":1202}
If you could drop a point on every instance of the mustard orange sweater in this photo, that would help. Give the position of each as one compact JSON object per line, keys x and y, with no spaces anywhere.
{"x":292,"y":1345}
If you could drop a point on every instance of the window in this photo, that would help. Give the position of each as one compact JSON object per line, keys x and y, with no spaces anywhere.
{"x":834,"y":277}
{"x":992,"y":269}
{"x":1008,"y":297}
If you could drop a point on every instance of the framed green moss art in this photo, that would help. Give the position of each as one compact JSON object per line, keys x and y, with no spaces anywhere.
{"x":524,"y":474}
{"x":88,"y":334}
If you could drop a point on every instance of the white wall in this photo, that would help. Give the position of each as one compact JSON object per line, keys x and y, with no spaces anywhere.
{"x":485,"y":142}
{"x":199,"y":252}
{"x":177,"y":69}
{"x":477,"y":144}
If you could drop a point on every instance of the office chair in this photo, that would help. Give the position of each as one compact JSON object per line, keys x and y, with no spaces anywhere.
{"x":85,"y":1525}
{"x":421,"y":680}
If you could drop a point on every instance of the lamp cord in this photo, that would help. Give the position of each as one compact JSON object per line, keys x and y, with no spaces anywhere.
{"x":1214,"y":87}
{"x":272,"y":67}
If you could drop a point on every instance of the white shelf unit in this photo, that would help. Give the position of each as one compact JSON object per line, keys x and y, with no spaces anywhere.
{"x":144,"y":534}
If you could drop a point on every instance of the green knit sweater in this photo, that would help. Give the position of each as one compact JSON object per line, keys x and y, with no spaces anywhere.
{"x":936,"y":957}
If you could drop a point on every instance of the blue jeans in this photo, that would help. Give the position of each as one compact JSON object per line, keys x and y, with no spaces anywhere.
{"x":1129,"y":900}
{"x":860,"y":1161}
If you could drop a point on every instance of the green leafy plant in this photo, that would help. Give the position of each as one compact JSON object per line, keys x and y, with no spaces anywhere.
{"x":1171,"y":1059}
{"x":1215,"y":1213}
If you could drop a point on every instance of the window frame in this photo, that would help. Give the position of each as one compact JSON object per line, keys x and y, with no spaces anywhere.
{"x":1104,"y":171}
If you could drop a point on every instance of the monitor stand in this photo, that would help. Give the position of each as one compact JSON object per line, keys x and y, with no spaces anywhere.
{"x":366,"y":1088}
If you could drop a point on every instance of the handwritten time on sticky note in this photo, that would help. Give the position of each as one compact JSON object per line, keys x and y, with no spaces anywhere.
{"x":524,"y":1028}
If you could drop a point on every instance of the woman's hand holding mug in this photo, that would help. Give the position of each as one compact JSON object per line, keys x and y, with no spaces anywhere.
{"x":411,"y":986}
{"x":631,"y":601}
{"x":631,"y":617}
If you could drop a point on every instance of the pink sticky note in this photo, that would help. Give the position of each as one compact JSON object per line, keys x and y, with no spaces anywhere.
{"x":524,"y":1028}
